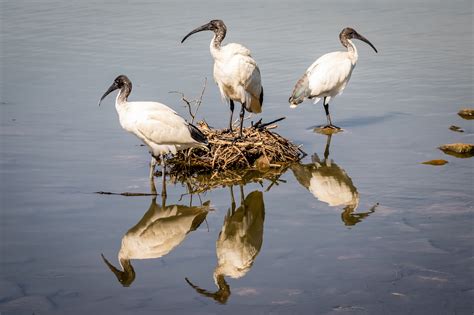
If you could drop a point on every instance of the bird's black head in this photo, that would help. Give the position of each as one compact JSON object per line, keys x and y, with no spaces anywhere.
{"x":350,"y":33}
{"x":217,"y":26}
{"x":120,"y":82}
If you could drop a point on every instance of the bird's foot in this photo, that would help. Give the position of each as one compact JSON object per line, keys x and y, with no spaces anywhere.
{"x":331,"y":126}
{"x":238,"y":138}
{"x":228,"y":130}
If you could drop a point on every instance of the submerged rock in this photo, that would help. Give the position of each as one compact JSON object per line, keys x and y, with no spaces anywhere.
{"x":466,"y":113}
{"x":456,"y":128}
{"x":435,"y":162}
{"x":460,"y":150}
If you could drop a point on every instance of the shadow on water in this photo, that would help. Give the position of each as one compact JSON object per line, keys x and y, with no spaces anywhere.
{"x":364,"y":120}
{"x":330,"y":183}
{"x":159,"y":231}
{"x":238,"y":244}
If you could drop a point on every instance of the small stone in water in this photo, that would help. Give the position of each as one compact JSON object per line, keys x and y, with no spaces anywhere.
{"x":466,"y":113}
{"x":435,"y":162}
{"x":460,"y":150}
{"x":456,"y":128}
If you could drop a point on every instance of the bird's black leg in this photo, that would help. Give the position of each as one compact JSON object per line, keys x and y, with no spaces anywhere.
{"x":163,"y":174}
{"x":242,"y":113}
{"x":328,"y":116}
{"x":231,"y":103}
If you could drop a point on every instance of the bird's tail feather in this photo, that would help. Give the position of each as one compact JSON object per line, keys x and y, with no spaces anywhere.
{"x":197,"y":135}
{"x":300,"y":91}
{"x":252,"y":103}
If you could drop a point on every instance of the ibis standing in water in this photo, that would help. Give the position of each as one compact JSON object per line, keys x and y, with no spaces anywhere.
{"x":157,"y":125}
{"x":235,"y":72}
{"x":329,"y":74}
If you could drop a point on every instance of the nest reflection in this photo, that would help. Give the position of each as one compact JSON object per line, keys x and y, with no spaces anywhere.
{"x":203,"y":182}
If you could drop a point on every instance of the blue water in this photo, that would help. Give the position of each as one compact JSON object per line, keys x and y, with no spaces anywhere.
{"x":410,"y":254}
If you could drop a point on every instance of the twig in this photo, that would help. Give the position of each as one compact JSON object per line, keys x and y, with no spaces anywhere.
{"x":184,"y":99}
{"x":199,"y":101}
{"x":196,"y":102}
{"x":127,"y":194}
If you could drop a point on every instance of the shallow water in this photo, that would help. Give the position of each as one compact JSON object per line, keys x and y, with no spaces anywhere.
{"x":315,"y":243}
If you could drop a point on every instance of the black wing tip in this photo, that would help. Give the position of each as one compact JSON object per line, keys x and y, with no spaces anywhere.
{"x":197,"y":135}
{"x":261,"y":97}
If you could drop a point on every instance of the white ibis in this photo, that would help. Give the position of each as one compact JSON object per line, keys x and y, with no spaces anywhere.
{"x":161,"y":230}
{"x":235,"y":72}
{"x":330,"y":183}
{"x":327,"y":181}
{"x":329,"y":74}
{"x":239,"y":243}
{"x":157,"y":125}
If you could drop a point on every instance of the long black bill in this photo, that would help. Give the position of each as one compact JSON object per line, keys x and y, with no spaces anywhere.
{"x":205,"y":27}
{"x":125,"y":277}
{"x":112,"y":88}
{"x":362,"y":38}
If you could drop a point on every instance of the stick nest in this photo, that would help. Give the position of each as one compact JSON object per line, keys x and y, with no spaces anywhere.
{"x":259,"y":149}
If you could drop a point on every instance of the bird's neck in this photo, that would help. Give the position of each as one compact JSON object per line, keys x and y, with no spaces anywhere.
{"x":216,"y":42}
{"x":122,"y":98}
{"x":351,"y":49}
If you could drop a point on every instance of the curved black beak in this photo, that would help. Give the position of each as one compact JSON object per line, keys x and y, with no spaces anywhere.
{"x":205,"y":27}
{"x":112,"y":88}
{"x":125,"y":277}
{"x":362,"y":38}
{"x":221,"y":295}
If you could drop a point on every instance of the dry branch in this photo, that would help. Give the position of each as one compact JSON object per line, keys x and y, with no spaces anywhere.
{"x":260,"y":148}
{"x":224,"y":153}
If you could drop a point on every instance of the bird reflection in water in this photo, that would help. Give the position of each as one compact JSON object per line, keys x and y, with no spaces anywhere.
{"x":238,"y":244}
{"x":330,"y":184}
{"x":161,"y":229}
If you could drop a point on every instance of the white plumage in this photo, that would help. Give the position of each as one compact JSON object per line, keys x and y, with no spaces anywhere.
{"x":159,"y":231}
{"x":237,"y":76}
{"x":239,"y":243}
{"x":157,"y":125}
{"x":328,"y":76}
{"x":235,"y":72}
{"x":241,"y":237}
{"x":329,"y":183}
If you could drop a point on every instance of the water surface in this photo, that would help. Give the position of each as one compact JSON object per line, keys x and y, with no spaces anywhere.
{"x":364,"y":228}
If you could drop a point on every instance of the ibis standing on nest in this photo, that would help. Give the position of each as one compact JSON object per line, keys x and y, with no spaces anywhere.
{"x":235,"y":72}
{"x":329,"y":74}
{"x":157,"y":125}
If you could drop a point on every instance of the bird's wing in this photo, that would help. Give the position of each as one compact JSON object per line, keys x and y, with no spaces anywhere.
{"x":300,"y":91}
{"x":250,"y":76}
{"x":163,"y":127}
{"x":238,"y":76}
{"x":150,"y":106}
{"x":329,"y":73}
{"x":249,"y":80}
{"x":235,"y":49}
